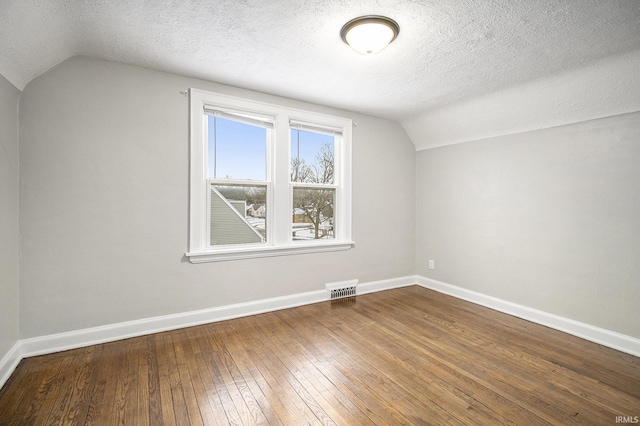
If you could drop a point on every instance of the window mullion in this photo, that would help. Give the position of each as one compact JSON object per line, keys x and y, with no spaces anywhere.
{"x":282,"y":203}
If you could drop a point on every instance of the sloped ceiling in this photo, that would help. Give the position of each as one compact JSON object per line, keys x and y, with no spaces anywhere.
{"x":448,"y":52}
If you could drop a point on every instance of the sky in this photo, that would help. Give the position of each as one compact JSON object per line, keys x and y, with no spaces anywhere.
{"x":238,"y":150}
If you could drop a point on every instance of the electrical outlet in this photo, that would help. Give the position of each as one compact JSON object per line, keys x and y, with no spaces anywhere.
{"x":432,"y":264}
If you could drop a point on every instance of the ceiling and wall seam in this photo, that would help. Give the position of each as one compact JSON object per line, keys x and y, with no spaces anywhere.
{"x":606,"y":88}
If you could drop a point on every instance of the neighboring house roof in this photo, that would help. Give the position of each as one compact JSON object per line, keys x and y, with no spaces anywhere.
{"x":228,"y":226}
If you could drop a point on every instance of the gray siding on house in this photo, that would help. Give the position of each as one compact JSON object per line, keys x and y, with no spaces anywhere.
{"x":241,"y":206}
{"x":228,"y":226}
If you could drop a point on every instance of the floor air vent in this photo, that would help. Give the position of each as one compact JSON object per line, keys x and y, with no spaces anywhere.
{"x":342,"y":289}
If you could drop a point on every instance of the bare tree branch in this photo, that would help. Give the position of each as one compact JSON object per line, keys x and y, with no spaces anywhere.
{"x":316,"y":203}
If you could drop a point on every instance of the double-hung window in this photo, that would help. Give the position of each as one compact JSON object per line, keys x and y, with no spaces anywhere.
{"x":266,"y":180}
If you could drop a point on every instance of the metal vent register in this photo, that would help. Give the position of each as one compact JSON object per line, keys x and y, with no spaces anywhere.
{"x":342,"y":289}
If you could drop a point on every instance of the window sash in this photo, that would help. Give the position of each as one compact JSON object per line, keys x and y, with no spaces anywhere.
{"x":337,"y":155}
{"x":302,"y":185}
{"x":212,"y":183}
{"x":268,"y":161}
{"x":335,"y":220}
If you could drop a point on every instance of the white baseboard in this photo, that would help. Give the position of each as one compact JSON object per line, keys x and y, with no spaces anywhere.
{"x":108,"y":333}
{"x":585,"y":331}
{"x":374,"y":286}
{"x":9,"y":363}
{"x":124,"y":330}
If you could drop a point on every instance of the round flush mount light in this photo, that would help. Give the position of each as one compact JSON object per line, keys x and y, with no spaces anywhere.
{"x":369,"y":34}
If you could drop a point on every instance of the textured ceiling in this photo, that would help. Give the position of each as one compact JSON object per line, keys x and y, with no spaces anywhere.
{"x":447,"y":50}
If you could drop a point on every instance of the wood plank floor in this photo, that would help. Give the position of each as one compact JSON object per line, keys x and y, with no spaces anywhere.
{"x":404,"y":356}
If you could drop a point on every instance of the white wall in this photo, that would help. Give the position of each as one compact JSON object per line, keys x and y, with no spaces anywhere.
{"x":549,"y":219}
{"x":9,"y":171}
{"x":104,"y":204}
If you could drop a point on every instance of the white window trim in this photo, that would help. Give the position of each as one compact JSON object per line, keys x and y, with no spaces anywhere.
{"x":280,"y":242}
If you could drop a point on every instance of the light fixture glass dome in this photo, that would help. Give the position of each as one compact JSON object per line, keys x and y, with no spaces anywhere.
{"x":369,"y":34}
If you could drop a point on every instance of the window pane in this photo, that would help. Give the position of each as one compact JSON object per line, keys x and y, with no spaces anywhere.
{"x":238,"y":214}
{"x":311,"y":157}
{"x":236,"y":150}
{"x":313,"y":213}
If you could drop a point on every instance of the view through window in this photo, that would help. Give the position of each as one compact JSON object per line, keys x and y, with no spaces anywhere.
{"x":312,"y":176}
{"x":266,"y":180}
{"x":237,"y":166}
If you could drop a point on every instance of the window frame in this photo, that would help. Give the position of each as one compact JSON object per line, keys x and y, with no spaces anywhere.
{"x":279,"y":240}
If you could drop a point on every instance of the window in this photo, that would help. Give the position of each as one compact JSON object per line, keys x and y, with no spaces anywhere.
{"x":266,"y":180}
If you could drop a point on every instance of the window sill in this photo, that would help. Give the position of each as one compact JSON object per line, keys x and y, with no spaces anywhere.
{"x":268,"y":251}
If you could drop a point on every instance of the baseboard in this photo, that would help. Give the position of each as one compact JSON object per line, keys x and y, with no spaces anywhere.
{"x":124,"y":330}
{"x":585,"y":331}
{"x":9,"y":363}
{"x":374,"y":286}
{"x":108,"y":333}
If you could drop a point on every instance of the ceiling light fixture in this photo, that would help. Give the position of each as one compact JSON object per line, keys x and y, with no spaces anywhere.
{"x":369,"y":34}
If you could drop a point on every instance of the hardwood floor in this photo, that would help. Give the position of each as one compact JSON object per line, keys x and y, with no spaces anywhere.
{"x":404,"y":356}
